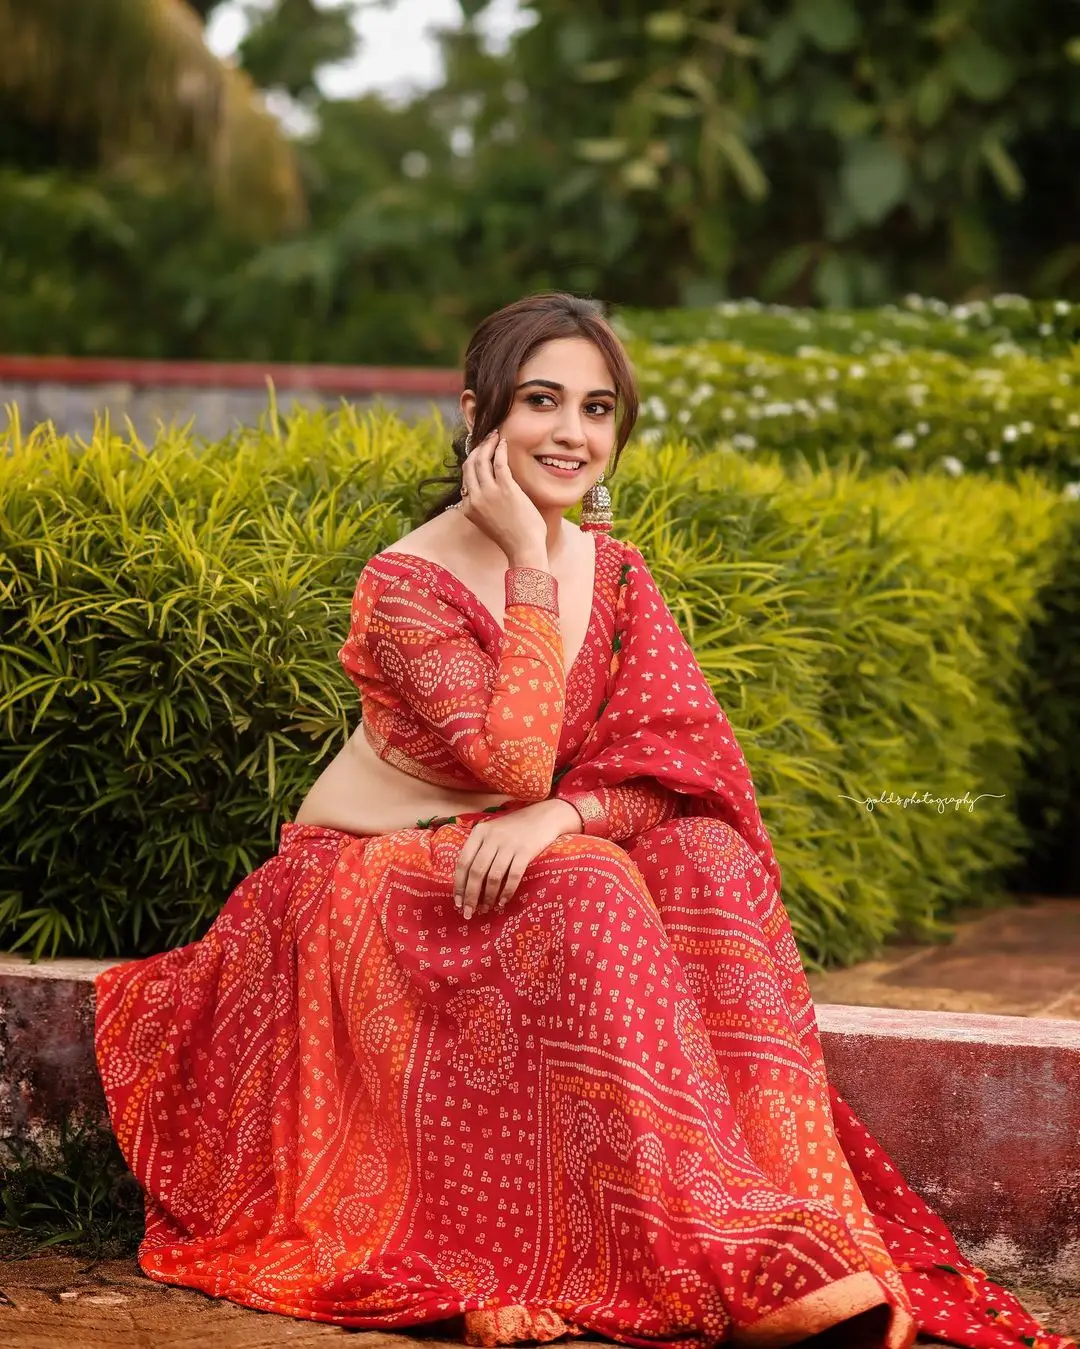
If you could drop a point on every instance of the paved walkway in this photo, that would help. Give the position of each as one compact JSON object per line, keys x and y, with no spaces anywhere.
{"x":1019,"y":961}
{"x":59,"y":1302}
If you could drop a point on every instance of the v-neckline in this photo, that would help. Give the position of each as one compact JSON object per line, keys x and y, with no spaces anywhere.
{"x":478,"y":603}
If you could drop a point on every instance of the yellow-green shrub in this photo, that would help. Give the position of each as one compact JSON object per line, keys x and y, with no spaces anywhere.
{"x":169,"y":688}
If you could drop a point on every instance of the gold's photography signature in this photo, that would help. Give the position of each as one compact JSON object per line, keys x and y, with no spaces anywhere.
{"x":942,"y":803}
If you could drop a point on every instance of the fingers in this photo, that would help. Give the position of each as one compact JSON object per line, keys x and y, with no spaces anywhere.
{"x":497,"y":881}
{"x":483,"y":882}
{"x":470,"y":875}
{"x":477,"y":467}
{"x":510,"y":884}
{"x":484,"y":465}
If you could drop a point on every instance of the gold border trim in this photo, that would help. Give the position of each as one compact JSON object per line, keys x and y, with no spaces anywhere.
{"x":827,"y":1307}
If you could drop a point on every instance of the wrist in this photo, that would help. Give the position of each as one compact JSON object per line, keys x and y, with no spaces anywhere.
{"x":531,"y":585}
{"x":530,"y":557}
{"x":565,"y":815}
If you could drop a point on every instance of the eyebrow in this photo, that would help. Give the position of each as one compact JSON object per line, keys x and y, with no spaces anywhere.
{"x":561,"y":388}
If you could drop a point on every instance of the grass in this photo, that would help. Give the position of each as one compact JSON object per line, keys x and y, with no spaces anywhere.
{"x":77,"y":1194}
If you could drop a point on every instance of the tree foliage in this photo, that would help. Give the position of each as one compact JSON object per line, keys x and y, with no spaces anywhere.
{"x":128,"y":88}
{"x":653,"y":153}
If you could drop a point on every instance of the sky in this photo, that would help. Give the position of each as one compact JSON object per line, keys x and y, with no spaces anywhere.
{"x":397,"y":56}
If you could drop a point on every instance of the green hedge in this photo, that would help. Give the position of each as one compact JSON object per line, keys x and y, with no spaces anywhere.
{"x":913,"y":410}
{"x":169,"y":688}
{"x":994,"y":327}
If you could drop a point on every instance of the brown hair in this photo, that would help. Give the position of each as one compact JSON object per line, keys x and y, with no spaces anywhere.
{"x":502,"y":344}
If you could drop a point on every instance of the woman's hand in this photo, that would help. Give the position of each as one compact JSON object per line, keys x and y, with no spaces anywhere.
{"x":494,"y":856}
{"x":495,"y":503}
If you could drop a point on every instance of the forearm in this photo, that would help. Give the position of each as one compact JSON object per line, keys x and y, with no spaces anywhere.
{"x":562,"y":812}
{"x":426,"y":671}
{"x":621,"y":813}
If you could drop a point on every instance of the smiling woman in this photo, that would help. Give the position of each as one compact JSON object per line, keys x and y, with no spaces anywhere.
{"x":589,"y":1097}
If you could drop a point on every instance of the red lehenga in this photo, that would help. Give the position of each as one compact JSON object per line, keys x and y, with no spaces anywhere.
{"x":602,"y":1110}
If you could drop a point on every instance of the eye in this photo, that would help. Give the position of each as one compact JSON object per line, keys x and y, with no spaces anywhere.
{"x":602,"y":409}
{"x":534,"y":398}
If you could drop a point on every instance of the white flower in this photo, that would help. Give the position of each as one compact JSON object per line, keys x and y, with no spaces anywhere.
{"x":651,"y":435}
{"x":1045,"y":329}
{"x":1009,"y":433}
{"x":1074,"y":419}
{"x":728,"y":413}
{"x":1062,"y":306}
{"x":741,"y":441}
{"x":952,"y":465}
{"x":683,"y":416}
{"x":1026,"y":428}
{"x":993,"y":457}
{"x":923,"y":428}
{"x":827,"y":403}
{"x":857,"y":371}
{"x":1071,"y":491}
{"x":655,"y":407}
{"x":904,"y":441}
{"x":758,"y":391}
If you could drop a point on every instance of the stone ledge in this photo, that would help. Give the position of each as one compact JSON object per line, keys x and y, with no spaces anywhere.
{"x":425,"y":381}
{"x":980,"y":1113}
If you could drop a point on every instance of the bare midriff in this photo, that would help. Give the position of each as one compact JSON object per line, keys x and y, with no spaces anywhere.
{"x":359,"y":793}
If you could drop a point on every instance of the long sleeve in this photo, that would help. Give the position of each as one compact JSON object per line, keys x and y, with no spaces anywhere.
{"x":501,"y":719}
{"x":622,"y":812}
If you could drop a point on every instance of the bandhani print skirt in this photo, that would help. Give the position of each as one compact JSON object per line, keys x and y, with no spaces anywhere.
{"x":603,"y":1111}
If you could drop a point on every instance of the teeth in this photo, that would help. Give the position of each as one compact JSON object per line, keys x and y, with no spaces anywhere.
{"x":562,"y":463}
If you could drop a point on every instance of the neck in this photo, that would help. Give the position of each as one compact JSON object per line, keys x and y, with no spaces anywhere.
{"x":559,"y":537}
{"x":557,"y":533}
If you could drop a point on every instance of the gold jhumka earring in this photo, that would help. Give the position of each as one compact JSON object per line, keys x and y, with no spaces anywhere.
{"x":457,"y":505}
{"x":596,"y":516}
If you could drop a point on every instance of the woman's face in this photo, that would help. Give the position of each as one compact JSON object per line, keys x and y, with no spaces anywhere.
{"x":564,"y":406}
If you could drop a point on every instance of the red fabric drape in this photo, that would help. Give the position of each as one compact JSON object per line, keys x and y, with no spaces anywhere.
{"x":603,"y":1109}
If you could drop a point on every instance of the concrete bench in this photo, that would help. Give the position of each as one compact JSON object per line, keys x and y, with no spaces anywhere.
{"x":980,"y":1113}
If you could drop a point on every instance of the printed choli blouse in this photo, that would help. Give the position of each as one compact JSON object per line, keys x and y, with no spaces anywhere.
{"x":442,"y":708}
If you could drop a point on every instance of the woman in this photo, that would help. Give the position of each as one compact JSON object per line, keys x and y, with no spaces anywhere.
{"x":544,"y":1062}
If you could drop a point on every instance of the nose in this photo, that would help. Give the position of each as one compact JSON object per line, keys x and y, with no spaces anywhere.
{"x":570,"y":430}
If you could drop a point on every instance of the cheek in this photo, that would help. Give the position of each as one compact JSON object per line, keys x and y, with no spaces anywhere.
{"x":602,"y":437}
{"x":523,"y":429}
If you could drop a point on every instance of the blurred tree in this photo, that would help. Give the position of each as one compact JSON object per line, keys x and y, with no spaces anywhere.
{"x":287,"y":43}
{"x":651,"y":152}
{"x":130,"y":87}
{"x":813,"y":149}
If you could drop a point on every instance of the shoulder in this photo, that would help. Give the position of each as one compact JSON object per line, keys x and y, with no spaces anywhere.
{"x":398,"y":594}
{"x":387,"y":575}
{"x":623,"y":550}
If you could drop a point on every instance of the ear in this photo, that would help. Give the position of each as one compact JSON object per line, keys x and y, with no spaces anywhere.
{"x":467,"y":403}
